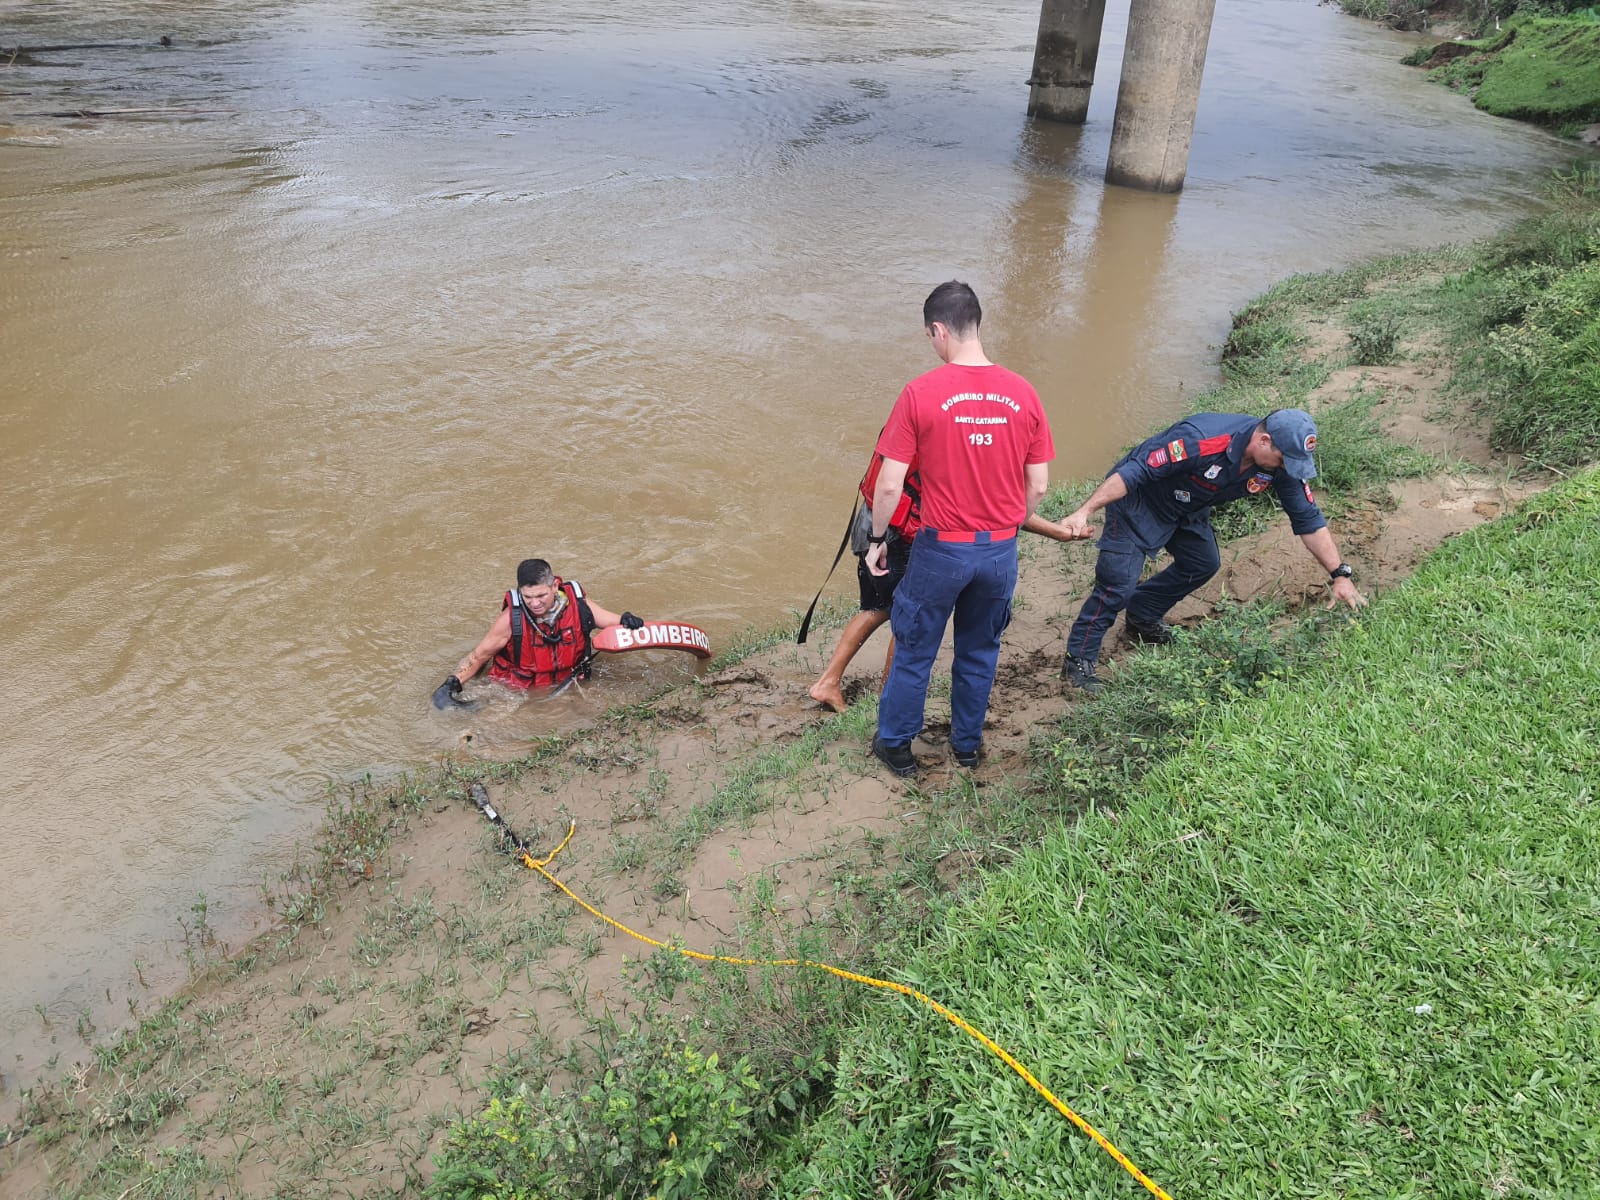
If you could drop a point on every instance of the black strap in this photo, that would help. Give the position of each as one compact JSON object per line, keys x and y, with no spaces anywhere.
{"x":913,"y":488}
{"x":586,"y":623}
{"x":516,"y":631}
{"x":849,"y":528}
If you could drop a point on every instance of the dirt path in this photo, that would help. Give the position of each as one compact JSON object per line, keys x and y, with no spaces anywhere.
{"x":327,"y":1058}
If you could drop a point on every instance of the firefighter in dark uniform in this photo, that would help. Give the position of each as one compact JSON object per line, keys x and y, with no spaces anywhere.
{"x":1160,"y":497}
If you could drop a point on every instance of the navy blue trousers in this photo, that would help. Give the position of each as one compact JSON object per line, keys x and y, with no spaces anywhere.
{"x":971,"y":582}
{"x":1117,"y":587}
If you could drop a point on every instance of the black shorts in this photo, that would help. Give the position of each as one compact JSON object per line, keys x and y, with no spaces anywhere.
{"x":877,"y":591}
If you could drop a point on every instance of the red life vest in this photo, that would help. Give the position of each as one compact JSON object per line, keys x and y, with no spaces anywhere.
{"x":907,"y":516}
{"x":541,"y":656}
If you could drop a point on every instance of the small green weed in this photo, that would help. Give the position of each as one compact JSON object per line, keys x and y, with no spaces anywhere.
{"x":1374,"y":334}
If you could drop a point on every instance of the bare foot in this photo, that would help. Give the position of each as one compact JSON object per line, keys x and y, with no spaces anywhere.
{"x":824,"y":692}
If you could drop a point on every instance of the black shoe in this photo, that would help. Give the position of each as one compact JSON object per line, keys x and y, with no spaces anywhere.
{"x":897,"y":758}
{"x":967,"y":758}
{"x":1157,"y":633}
{"x":1080,"y":674}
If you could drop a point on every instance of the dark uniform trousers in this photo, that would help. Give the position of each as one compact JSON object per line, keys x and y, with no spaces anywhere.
{"x":1193,"y":547}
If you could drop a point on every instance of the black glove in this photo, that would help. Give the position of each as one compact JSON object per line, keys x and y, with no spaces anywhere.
{"x":629,"y":621}
{"x":447,"y":693}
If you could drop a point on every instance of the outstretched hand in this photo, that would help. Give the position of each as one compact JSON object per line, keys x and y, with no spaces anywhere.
{"x":629,"y":621}
{"x":1344,"y":590}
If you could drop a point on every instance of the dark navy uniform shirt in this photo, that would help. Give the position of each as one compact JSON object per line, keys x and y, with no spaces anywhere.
{"x":1176,"y":478}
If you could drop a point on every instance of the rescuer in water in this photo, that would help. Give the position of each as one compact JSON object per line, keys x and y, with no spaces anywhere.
{"x":541,"y":637}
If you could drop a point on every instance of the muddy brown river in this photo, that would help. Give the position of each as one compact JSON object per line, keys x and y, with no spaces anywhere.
{"x":291,"y":382}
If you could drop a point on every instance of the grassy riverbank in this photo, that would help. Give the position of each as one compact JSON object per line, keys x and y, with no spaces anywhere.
{"x":1346,"y":941}
{"x":1542,"y":70}
{"x":1527,"y":61}
{"x":1297,"y":906}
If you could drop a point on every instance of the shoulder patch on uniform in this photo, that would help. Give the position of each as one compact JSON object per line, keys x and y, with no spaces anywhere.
{"x":1216,"y":445}
{"x":1156,"y":458}
{"x":1176,"y":450}
{"x":1258,"y":483}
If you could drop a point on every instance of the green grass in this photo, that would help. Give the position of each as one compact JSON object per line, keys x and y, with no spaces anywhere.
{"x":1480,"y":16}
{"x":1543,"y":373}
{"x":1345,"y":942}
{"x":750,"y":786}
{"x":1524,"y":325}
{"x":1545,"y":70}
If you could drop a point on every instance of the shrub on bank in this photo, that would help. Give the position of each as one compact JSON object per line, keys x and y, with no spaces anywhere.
{"x":662,"y":1121}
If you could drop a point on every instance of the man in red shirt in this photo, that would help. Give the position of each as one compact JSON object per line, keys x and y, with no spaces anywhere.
{"x":982,"y":446}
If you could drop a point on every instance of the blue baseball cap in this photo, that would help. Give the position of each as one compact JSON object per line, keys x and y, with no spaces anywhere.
{"x":1294,"y":434}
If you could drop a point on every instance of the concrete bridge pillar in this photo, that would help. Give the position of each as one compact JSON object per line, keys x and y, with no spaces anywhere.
{"x":1064,"y":58}
{"x":1161,"y":67}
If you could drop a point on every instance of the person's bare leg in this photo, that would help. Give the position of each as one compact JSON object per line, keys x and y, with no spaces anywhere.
{"x":827,"y":689}
{"x":888,"y":661}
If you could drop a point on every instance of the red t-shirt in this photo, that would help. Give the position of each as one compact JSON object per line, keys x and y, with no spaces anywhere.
{"x":970,"y":431}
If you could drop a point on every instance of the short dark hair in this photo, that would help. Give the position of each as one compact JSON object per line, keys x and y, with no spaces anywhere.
{"x":955,"y":306}
{"x":534,"y":572}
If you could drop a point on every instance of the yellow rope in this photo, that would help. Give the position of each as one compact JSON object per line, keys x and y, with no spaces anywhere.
{"x":1099,"y":1139}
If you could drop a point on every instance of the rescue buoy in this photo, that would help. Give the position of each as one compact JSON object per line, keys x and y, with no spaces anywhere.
{"x":653,"y":635}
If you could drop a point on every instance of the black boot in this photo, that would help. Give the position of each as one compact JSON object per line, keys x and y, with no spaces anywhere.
{"x":1080,"y":674}
{"x":897,"y":758}
{"x":1156,"y":633}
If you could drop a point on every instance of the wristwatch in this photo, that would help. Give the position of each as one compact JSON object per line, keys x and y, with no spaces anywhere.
{"x":877,"y":540}
{"x":1342,"y":571}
